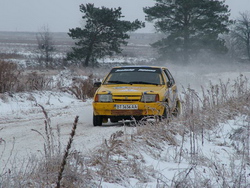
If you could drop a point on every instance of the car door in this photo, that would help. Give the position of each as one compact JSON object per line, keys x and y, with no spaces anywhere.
{"x":171,"y":92}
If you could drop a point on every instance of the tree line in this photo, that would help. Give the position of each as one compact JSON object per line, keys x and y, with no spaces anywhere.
{"x":188,"y":27}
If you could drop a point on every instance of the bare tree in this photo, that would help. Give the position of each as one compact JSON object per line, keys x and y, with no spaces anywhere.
{"x":45,"y":47}
{"x":241,"y":34}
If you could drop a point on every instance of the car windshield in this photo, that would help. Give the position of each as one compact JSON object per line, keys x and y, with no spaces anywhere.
{"x":135,"y":76}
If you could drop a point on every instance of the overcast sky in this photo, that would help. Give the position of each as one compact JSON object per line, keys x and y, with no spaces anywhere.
{"x":62,"y":15}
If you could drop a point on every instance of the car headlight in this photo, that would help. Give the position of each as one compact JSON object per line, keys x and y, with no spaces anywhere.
{"x":103,"y":98}
{"x":150,"y":98}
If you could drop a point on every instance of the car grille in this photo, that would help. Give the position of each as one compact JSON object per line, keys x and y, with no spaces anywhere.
{"x":126,"y":98}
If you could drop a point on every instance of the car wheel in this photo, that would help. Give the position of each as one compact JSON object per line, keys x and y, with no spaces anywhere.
{"x":97,"y":120}
{"x":165,"y":114}
{"x":177,"y":111}
{"x":113,"y":120}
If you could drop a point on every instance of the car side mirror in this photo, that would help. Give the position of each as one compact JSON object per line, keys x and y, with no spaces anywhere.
{"x":97,"y":84}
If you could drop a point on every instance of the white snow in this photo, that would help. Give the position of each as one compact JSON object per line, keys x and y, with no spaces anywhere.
{"x":21,"y":113}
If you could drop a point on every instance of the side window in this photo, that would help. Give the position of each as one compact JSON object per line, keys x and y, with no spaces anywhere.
{"x":170,"y":77}
{"x":167,"y":77}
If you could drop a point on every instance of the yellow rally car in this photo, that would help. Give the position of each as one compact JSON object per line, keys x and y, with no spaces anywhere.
{"x":133,"y":92}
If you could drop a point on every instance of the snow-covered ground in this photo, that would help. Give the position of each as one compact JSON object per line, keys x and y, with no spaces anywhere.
{"x":216,"y":164}
{"x":22,"y":116}
{"x":22,"y":119}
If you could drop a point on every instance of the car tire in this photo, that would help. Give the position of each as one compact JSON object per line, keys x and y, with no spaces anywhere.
{"x":177,"y":110}
{"x":97,"y":120}
{"x":165,"y":114}
{"x":113,"y":120}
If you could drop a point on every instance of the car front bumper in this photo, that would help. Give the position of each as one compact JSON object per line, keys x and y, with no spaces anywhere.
{"x":144,"y":109}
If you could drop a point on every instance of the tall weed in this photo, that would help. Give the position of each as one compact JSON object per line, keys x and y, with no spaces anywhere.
{"x":9,"y":76}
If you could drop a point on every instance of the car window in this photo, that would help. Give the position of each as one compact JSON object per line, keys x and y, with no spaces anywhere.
{"x":134,"y":76}
{"x":169,"y":76}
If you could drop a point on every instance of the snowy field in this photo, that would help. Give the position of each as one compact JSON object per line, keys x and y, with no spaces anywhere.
{"x":21,"y":118}
{"x":22,"y":129}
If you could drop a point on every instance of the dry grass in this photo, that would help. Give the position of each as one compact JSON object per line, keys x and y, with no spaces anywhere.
{"x":9,"y":76}
{"x":116,"y":160}
{"x":14,"y":80}
{"x":66,"y":154}
{"x":36,"y":81}
{"x":10,"y":56}
{"x":82,"y":88}
{"x":201,"y":117}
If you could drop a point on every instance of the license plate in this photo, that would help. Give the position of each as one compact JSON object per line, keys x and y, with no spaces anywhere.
{"x":126,"y":106}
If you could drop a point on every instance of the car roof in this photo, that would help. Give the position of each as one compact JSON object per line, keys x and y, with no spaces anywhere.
{"x":140,"y":66}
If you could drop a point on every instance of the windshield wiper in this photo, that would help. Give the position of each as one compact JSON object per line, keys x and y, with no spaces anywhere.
{"x":141,"y":82}
{"x":117,"y":82}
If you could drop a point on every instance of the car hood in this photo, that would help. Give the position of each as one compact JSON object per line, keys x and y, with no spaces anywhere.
{"x":133,"y":89}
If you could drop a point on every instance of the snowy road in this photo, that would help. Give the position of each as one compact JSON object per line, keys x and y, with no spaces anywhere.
{"x":22,"y":119}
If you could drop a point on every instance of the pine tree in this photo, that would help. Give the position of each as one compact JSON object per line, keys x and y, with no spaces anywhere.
{"x":189,"y":26}
{"x":103,"y":34}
